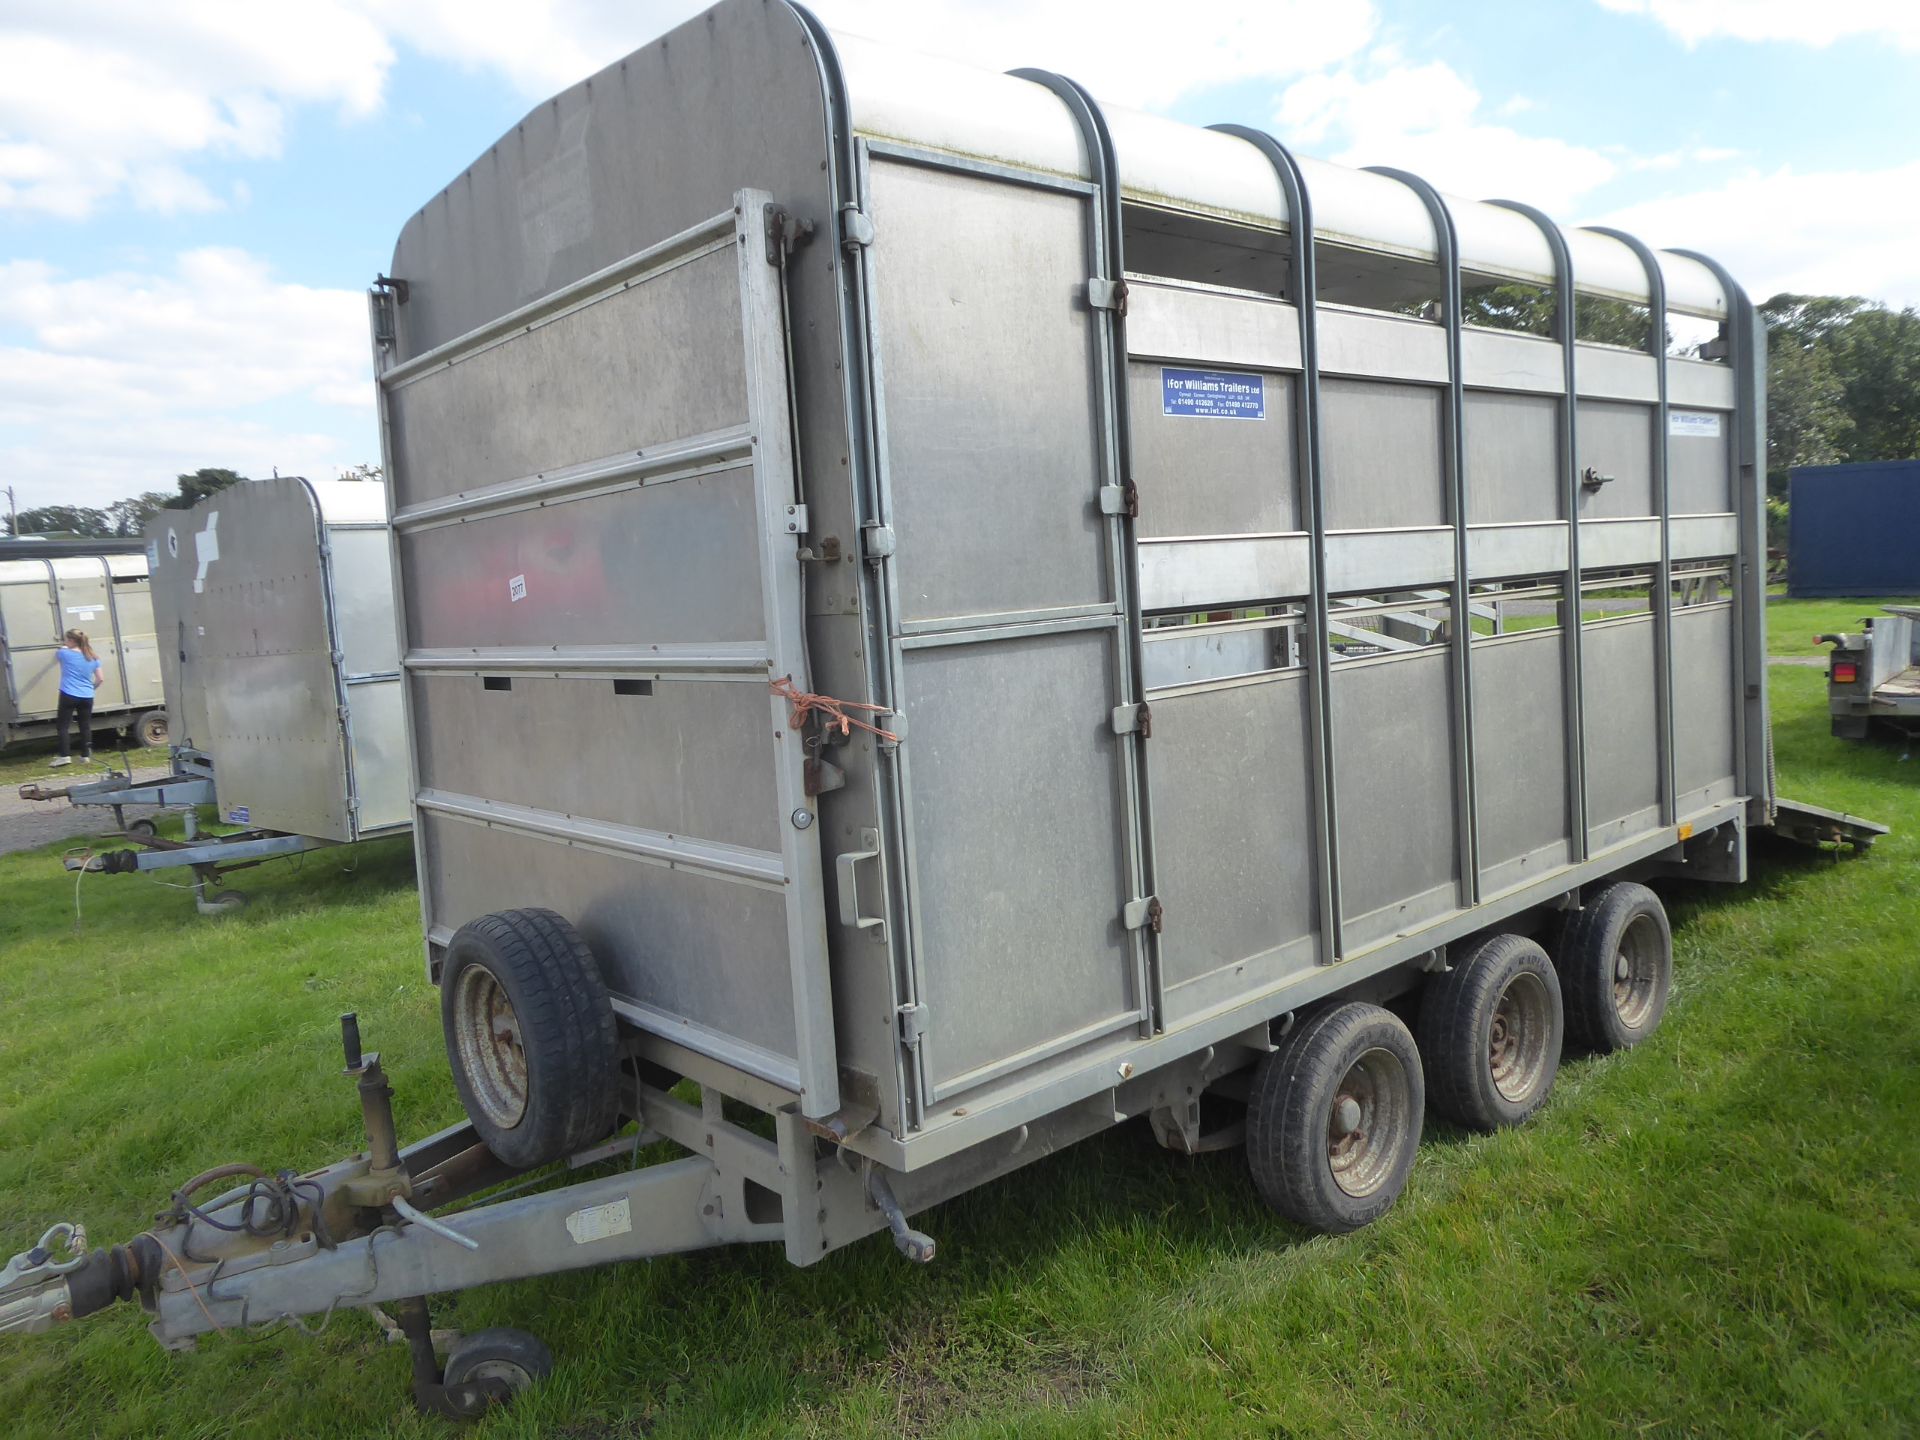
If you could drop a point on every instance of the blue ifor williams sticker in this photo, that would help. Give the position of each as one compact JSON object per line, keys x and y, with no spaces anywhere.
{"x":1212,"y":394}
{"x":239,"y":815}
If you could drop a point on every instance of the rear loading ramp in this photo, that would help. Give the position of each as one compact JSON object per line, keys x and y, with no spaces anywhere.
{"x":597,"y":524}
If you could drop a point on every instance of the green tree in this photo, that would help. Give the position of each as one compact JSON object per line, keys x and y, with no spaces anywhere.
{"x":130,"y":516}
{"x":81,"y":520}
{"x":1877,"y":356}
{"x":1807,"y":420}
{"x":201,"y":483}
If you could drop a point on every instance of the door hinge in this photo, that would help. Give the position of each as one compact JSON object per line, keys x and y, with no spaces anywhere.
{"x":1145,"y":912}
{"x":856,"y":230}
{"x":1132,"y":719}
{"x":1103,"y":294}
{"x":794,"y":522}
{"x":1120,"y":500}
{"x":877,"y":541}
{"x":913,"y":1024}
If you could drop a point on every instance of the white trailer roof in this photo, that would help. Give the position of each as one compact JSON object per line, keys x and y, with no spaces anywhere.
{"x":939,"y":104}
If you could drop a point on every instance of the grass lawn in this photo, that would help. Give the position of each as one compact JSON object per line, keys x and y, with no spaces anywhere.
{"x":1715,"y":1234}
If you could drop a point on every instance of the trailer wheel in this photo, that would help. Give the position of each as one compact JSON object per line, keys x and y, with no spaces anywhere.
{"x":1616,"y":964}
{"x":1490,"y":1033}
{"x":143,"y":827}
{"x":151,"y":729}
{"x":530,"y":1034}
{"x":514,"y":1357}
{"x":1334,"y":1118}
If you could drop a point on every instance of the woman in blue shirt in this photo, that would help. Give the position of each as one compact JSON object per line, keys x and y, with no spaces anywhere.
{"x":79,"y":674}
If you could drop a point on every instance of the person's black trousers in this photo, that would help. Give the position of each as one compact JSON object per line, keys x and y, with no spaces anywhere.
{"x":74,"y":709}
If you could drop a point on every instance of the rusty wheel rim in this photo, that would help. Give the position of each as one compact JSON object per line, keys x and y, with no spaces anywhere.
{"x":492,"y":1056}
{"x":1367,"y":1122}
{"x":1636,"y":972}
{"x":1518,"y":1036}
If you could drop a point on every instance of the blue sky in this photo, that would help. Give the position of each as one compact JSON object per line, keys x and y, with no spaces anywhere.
{"x":195,"y":193}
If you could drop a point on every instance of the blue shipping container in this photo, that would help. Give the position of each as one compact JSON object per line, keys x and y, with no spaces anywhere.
{"x":1854,"y":529}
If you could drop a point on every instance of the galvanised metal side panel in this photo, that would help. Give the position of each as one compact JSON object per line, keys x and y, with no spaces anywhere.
{"x":689,"y":757}
{"x":170,"y":537}
{"x":1016,"y":835}
{"x":1623,"y":780}
{"x":1187,"y":655}
{"x":1699,"y":462}
{"x":242,"y":586}
{"x":382,"y":781}
{"x":1202,"y":475}
{"x":1394,"y":789}
{"x":36,"y":682}
{"x":1616,"y":439}
{"x":453,"y":434}
{"x":1703,"y":701}
{"x":1233,"y":833}
{"x":1520,"y":748}
{"x":1513,"y":458}
{"x":984,"y":339}
{"x":139,"y":650}
{"x":1854,"y":529}
{"x":27,"y":612}
{"x":360,"y":562}
{"x":686,"y":948}
{"x":671,"y":563}
{"x":1381,"y":451}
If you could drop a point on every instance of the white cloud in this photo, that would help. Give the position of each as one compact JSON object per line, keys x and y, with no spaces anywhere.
{"x":1429,"y":119}
{"x":100,"y":99}
{"x":1832,"y":232}
{"x":119,"y":381}
{"x":1797,"y":21}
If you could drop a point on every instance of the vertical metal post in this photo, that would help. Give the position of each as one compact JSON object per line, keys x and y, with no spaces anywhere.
{"x":1304,"y":284}
{"x":1747,"y":353}
{"x":846,"y":185}
{"x":1453,"y":454}
{"x":1565,"y":329}
{"x":113,"y":623}
{"x":1663,"y":583}
{"x":1117,"y":464}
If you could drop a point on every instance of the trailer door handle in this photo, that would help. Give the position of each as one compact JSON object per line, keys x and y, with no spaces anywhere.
{"x":847,"y":864}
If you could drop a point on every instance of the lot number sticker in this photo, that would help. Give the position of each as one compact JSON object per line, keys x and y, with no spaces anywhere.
{"x":1212,"y":394}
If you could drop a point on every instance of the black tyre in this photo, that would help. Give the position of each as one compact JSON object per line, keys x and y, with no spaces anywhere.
{"x":151,"y":729}
{"x":143,"y":826}
{"x":1490,"y":1033}
{"x":514,"y":1357}
{"x":530,"y":1034}
{"x":1334,"y":1118}
{"x":1616,"y":965}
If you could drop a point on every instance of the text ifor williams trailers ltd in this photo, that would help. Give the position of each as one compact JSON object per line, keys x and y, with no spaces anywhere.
{"x":1212,"y":640}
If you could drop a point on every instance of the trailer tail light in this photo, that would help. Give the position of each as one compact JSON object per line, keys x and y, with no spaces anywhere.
{"x":1844,"y":672}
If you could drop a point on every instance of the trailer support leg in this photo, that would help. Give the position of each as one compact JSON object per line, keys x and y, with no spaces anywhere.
{"x":451,"y":1402}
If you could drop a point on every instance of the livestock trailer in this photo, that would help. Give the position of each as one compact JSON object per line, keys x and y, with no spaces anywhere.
{"x":273,"y":601}
{"x":952,"y":616}
{"x":50,"y":587}
{"x":1854,"y":529}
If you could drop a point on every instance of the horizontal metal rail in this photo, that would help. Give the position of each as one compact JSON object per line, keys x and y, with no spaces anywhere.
{"x":709,"y":235}
{"x":677,"y":460}
{"x":721,"y":659}
{"x":729,"y":862}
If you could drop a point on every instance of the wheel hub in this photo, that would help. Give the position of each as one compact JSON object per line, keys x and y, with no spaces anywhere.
{"x":490,"y":1050}
{"x":1636,"y":972}
{"x":1367,"y":1122}
{"x":1518,"y":1036}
